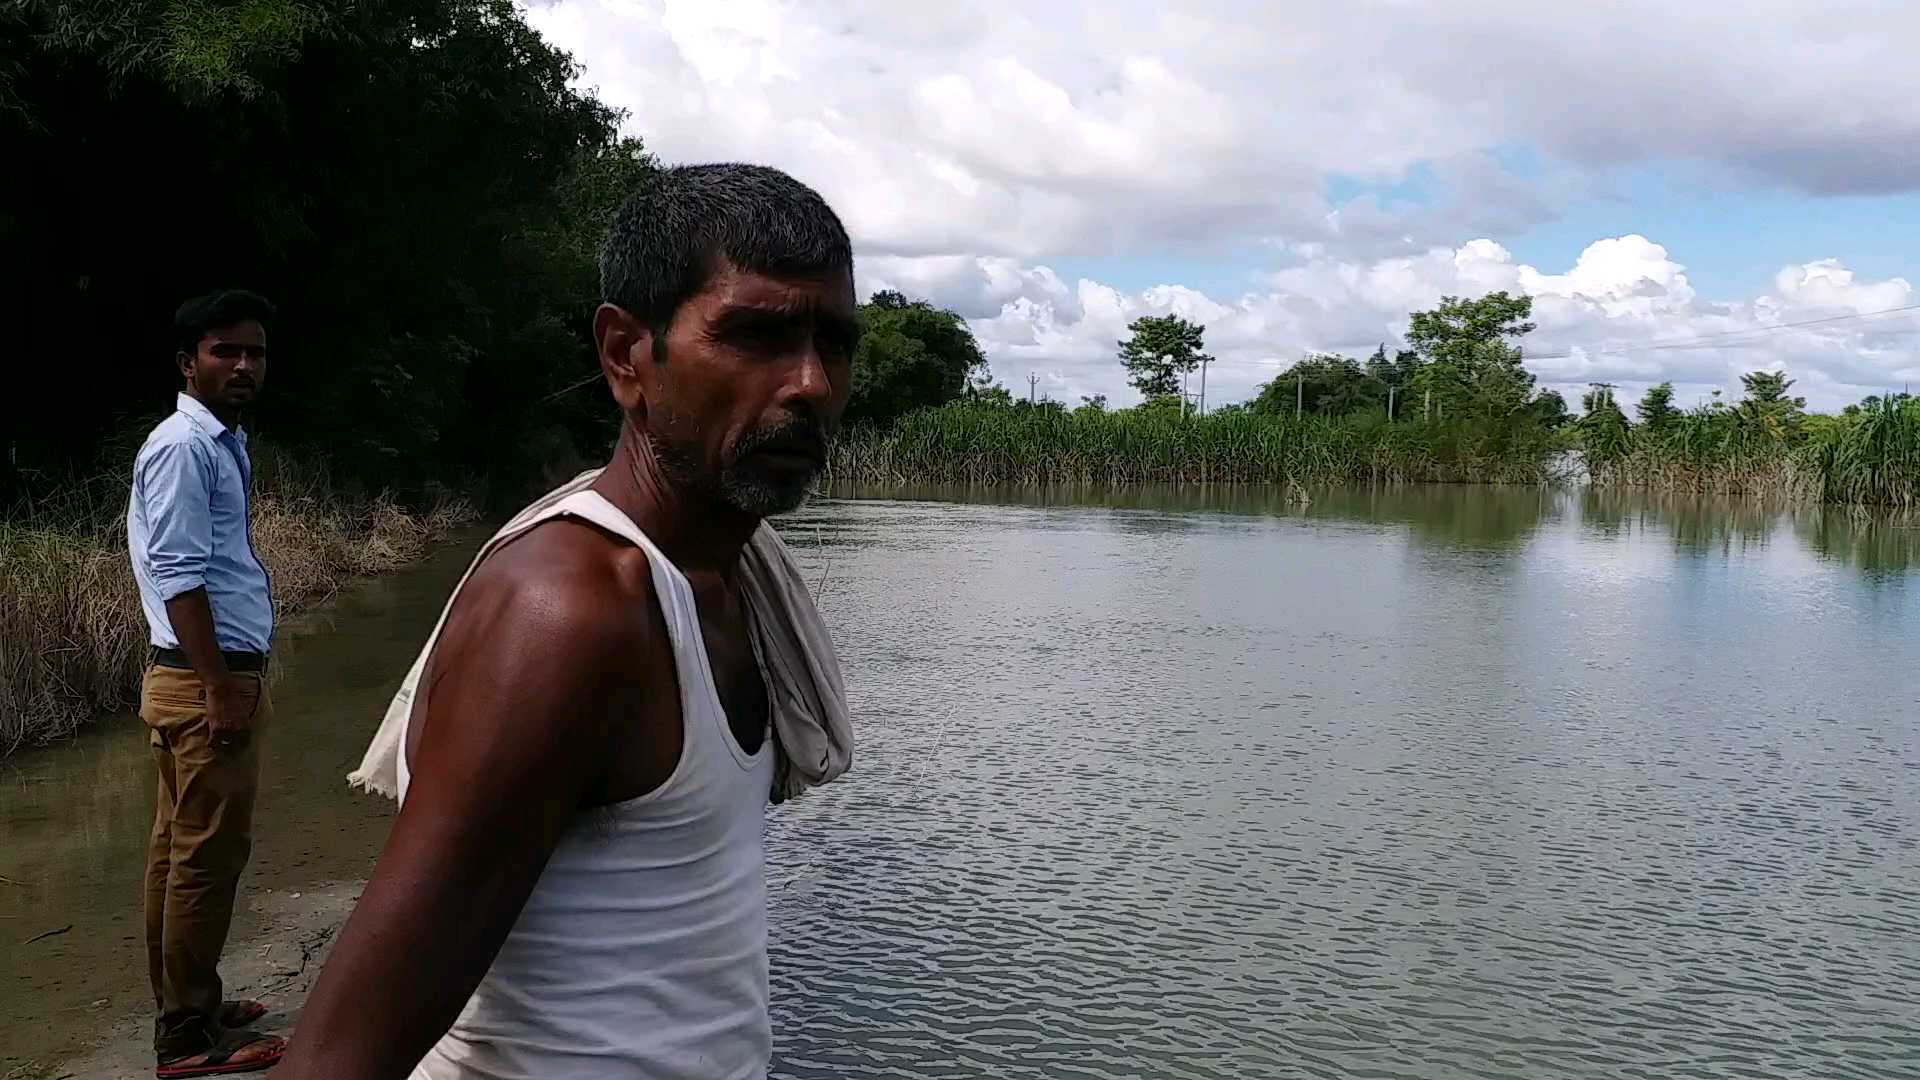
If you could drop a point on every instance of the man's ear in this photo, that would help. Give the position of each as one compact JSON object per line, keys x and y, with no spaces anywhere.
{"x":184,"y":361}
{"x":625,"y":346}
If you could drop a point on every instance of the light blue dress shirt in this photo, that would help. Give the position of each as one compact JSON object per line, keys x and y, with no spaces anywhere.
{"x":187,"y":528}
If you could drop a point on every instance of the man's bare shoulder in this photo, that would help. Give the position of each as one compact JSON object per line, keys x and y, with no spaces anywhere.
{"x":566,"y":588}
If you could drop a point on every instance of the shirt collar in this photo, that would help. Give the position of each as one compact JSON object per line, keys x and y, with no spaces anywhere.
{"x":203,"y":417}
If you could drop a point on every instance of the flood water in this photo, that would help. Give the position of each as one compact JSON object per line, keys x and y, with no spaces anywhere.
{"x":1428,"y":783}
{"x":74,"y":817}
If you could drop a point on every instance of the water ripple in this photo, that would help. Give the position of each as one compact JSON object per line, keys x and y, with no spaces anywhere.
{"x":1175,"y":796}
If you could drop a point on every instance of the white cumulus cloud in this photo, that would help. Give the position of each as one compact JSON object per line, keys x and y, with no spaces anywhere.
{"x":1624,"y":313}
{"x":1033,"y":129}
{"x":969,"y":147}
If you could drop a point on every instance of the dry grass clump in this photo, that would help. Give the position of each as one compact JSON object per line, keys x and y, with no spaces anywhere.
{"x":72,"y":639}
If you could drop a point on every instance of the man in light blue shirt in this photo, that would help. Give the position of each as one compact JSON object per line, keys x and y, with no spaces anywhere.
{"x":209,"y":612}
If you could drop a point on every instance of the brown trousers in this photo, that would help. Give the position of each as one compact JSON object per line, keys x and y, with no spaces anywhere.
{"x":202,"y":838}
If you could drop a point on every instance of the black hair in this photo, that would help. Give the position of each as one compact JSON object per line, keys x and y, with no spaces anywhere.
{"x":666,"y":238}
{"x":203,"y":314}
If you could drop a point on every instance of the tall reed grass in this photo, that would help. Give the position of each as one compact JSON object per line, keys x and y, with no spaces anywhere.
{"x":999,"y":446}
{"x":72,"y":638}
{"x":1869,"y":456}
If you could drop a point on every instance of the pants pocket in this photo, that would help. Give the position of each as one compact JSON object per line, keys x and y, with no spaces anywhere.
{"x":252,"y":688}
{"x":171,"y":697}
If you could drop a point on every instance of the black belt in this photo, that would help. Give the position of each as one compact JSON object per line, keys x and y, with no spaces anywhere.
{"x":236,"y":661}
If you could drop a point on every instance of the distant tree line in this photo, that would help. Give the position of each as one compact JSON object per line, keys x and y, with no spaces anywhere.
{"x":1463,"y":363}
{"x":421,"y":189}
{"x":1764,"y":414}
{"x":1457,"y":404}
{"x":1765,"y":442}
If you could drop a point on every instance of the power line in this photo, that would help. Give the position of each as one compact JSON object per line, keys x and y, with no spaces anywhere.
{"x":1702,"y":341}
{"x":1718,"y":340}
{"x":1715,"y":341}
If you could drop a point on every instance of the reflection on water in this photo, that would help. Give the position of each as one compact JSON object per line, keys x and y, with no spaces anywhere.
{"x":1884,"y":548}
{"x":1436,"y":783}
{"x":1423,"y":782}
{"x":1883,"y":544}
{"x":74,"y":816}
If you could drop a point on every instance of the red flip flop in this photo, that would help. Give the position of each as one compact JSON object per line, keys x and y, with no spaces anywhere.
{"x":238,"y":1014}
{"x":219,"y":1061}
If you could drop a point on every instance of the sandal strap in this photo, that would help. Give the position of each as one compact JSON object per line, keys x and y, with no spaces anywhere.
{"x":230,"y":1043}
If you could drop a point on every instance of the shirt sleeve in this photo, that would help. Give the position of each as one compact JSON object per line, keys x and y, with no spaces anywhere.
{"x":177,"y":494}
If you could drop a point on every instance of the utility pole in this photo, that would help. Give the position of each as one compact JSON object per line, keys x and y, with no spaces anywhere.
{"x":1426,"y":409}
{"x":1032,"y":382}
{"x":1203,"y":384}
{"x":1390,"y":389}
{"x":1299,"y":394}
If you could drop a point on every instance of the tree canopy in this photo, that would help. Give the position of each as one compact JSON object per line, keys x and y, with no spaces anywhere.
{"x":1656,"y":409}
{"x":1158,"y":350}
{"x":1323,"y":385}
{"x":1549,"y":409}
{"x":911,"y":355}
{"x":1767,"y":407}
{"x":413,"y":182}
{"x":1464,"y":363}
{"x":1470,"y":356}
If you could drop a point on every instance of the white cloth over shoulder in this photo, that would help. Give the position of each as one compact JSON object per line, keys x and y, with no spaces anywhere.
{"x":813,"y":737}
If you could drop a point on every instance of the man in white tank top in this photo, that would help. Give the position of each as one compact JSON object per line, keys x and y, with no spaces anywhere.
{"x":574,"y":886}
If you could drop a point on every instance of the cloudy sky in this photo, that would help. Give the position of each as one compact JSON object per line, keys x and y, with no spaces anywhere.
{"x":1678,"y":192}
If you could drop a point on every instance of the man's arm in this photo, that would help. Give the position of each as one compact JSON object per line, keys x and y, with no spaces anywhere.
{"x":191,"y":616}
{"x":177,"y":492}
{"x":516,"y":742}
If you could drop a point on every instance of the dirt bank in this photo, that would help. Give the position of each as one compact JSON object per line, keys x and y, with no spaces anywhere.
{"x":74,"y":818}
{"x":277,"y":966}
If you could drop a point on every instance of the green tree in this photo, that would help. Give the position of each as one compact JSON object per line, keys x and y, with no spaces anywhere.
{"x":1275,"y":397}
{"x":981,"y":391}
{"x":1874,"y":404}
{"x":418,"y":184}
{"x":1158,"y":350}
{"x":1604,"y":429}
{"x":1378,"y":366}
{"x":1397,"y":372}
{"x":1395,"y":375}
{"x":1549,"y":410}
{"x":1461,"y":331}
{"x":1323,"y":385}
{"x":1598,"y":403}
{"x":1766,"y":409}
{"x":1657,"y":410}
{"x":1472,"y":364}
{"x":911,"y":355}
{"x":1160,"y":405}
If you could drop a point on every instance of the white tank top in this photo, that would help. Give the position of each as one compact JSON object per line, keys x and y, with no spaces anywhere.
{"x":642,"y":952}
